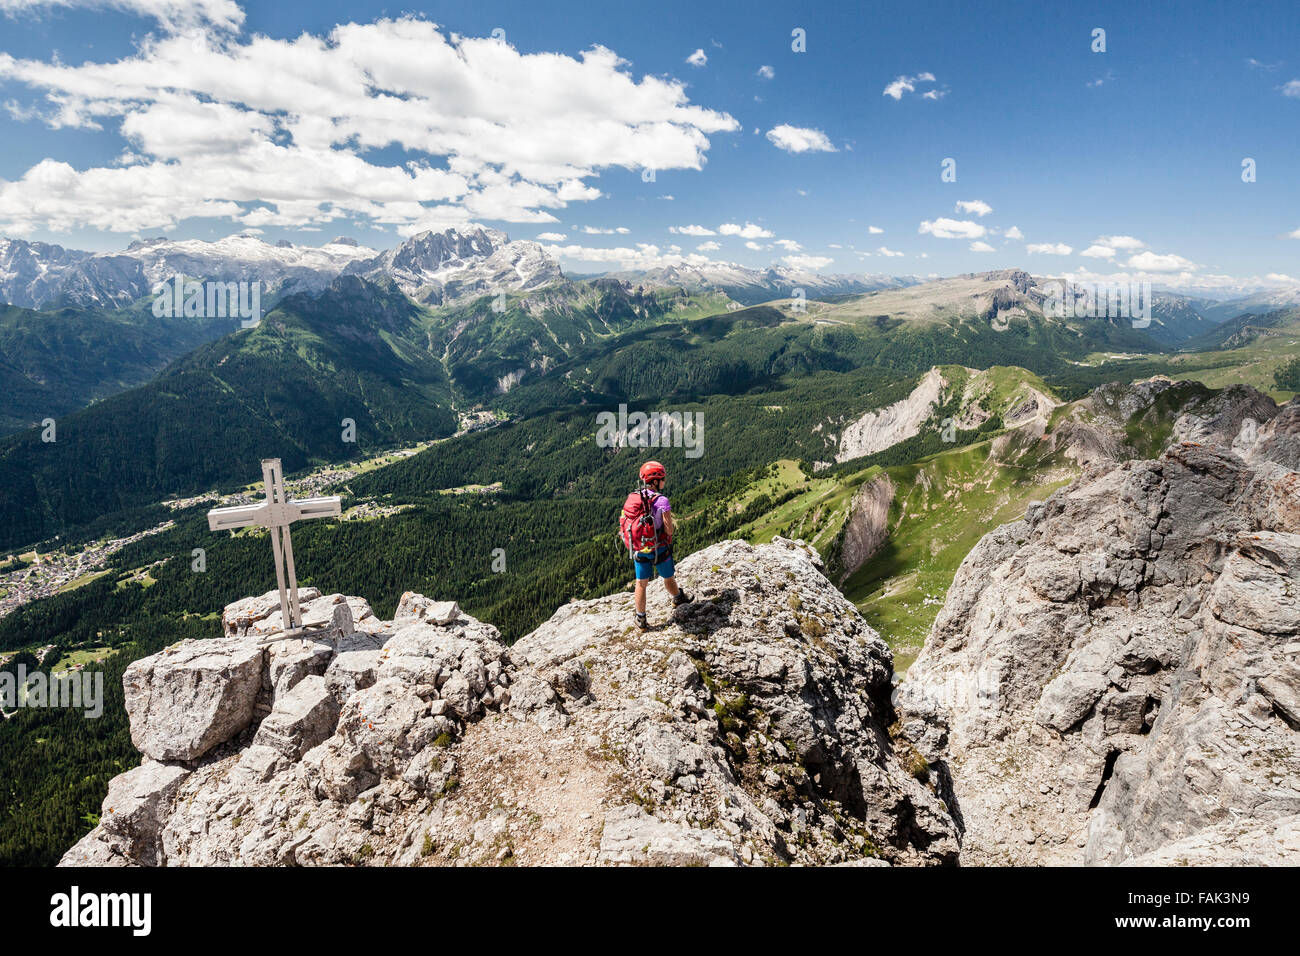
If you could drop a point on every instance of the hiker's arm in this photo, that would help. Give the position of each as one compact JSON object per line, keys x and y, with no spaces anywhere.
{"x":668,"y":524}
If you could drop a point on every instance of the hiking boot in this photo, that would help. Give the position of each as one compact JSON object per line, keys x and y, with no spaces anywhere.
{"x":641,"y":622}
{"x":680,"y":598}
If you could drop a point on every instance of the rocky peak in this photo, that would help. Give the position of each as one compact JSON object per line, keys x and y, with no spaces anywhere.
{"x":751,"y":726}
{"x":429,"y":250}
{"x":1115,"y":678}
{"x":1018,"y":279}
{"x":440,"y":267}
{"x":31,"y":272}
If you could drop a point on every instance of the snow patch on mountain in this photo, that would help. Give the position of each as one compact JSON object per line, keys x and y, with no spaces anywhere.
{"x":438,"y":267}
{"x":39,"y":275}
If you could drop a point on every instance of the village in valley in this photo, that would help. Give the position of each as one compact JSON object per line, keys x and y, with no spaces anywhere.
{"x":30,"y":575}
{"x":35,"y":574}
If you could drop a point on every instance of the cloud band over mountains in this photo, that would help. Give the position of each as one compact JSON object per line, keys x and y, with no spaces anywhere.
{"x":269,"y":132}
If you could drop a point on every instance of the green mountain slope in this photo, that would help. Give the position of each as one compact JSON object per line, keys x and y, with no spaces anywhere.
{"x":943,"y":497}
{"x":1248,"y":328}
{"x":1176,"y":319}
{"x":54,"y":362}
{"x":282,"y":389}
{"x":399,"y":371}
{"x":494,"y":342}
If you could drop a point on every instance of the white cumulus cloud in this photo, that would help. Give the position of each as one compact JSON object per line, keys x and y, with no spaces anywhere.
{"x":1153,"y":262}
{"x":747,"y":231}
{"x":807,"y":262}
{"x":642,"y":256}
{"x":976,"y":207}
{"x":286,"y":132}
{"x":981,"y":246}
{"x":796,"y":139}
{"x":1097,"y":251}
{"x":1048,"y":249}
{"x":1127,"y":243}
{"x":698,"y":58}
{"x":943,"y":228}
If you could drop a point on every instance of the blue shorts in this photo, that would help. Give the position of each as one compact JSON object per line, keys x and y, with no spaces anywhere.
{"x":663,"y":563}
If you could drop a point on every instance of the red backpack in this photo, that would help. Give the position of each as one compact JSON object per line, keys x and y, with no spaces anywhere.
{"x":636,"y":525}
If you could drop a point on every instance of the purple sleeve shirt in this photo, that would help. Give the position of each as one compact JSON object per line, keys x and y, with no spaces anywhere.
{"x":660,"y":508}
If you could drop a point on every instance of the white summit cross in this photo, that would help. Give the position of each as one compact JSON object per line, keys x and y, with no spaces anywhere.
{"x":277,"y":512}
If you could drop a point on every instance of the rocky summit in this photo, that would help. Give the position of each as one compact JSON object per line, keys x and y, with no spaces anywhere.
{"x":752,"y":726}
{"x":1115,"y":679}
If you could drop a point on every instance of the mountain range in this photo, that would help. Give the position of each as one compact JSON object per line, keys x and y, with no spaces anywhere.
{"x":434,"y":268}
{"x":364,"y":349}
{"x":505,"y":310}
{"x":1172,"y":581}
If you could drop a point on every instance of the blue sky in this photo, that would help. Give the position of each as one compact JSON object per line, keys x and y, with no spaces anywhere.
{"x":1143,"y":142}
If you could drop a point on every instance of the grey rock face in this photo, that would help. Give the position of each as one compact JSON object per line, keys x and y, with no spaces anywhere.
{"x":302,"y":718}
{"x":132,"y":818}
{"x":440,"y":267}
{"x":1114,"y":677}
{"x":867,"y":527}
{"x":192,"y":696}
{"x":633,"y":836}
{"x":417,"y":607}
{"x":749,"y":727}
{"x":31,"y":273}
{"x":351,"y":671}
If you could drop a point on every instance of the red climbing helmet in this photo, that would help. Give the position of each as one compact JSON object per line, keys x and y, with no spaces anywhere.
{"x":653,"y":471}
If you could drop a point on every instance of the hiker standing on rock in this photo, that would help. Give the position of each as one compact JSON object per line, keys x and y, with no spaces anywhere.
{"x":646,"y":527}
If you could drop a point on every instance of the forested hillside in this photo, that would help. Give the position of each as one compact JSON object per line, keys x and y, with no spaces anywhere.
{"x":491,"y":343}
{"x":54,"y":362}
{"x":282,"y":389}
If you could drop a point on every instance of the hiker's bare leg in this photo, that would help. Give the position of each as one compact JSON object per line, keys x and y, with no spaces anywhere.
{"x":671,"y":585}
{"x":640,"y":597}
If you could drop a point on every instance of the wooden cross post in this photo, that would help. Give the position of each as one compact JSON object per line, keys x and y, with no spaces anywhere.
{"x":276,"y":513}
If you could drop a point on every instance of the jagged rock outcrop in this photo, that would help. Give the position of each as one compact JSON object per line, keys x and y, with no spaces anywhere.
{"x":1121,"y":421}
{"x":192,"y":696}
{"x":879,"y":429}
{"x":866,"y":528}
{"x":439,"y":267}
{"x":1276,"y":440}
{"x":749,"y":727}
{"x":1115,"y":678}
